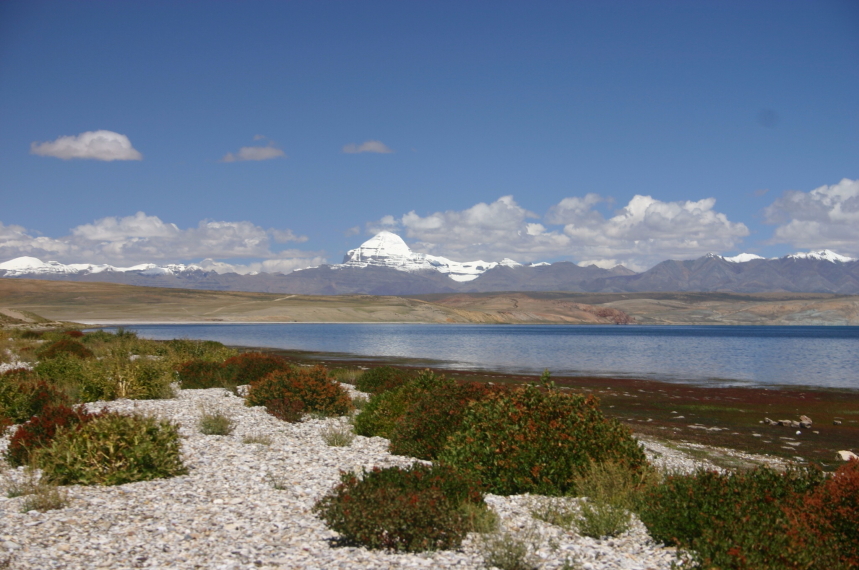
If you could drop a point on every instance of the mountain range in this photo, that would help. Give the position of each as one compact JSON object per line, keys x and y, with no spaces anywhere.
{"x":385,"y":265}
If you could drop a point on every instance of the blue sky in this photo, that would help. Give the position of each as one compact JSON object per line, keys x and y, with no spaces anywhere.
{"x":276,"y":135}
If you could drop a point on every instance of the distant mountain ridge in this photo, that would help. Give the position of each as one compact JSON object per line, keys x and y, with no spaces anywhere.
{"x":385,"y":265}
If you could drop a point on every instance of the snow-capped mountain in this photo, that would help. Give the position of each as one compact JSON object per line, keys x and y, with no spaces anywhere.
{"x":742,"y":258}
{"x":385,"y":265}
{"x":32,"y":266}
{"x":387,"y":249}
{"x":822,"y":255}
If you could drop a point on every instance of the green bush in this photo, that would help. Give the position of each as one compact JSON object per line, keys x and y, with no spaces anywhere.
{"x":382,"y":379}
{"x":209,"y":350}
{"x":384,"y":410}
{"x":737,"y":520}
{"x":533,"y":440}
{"x":434,"y":414}
{"x":111,"y":450}
{"x":24,"y":395}
{"x":117,"y":376}
{"x":412,"y":509}
{"x":310,"y":386}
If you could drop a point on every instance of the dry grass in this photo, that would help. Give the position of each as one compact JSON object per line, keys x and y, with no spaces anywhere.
{"x":260,"y":438}
{"x":215,"y":422}
{"x":338,"y":435}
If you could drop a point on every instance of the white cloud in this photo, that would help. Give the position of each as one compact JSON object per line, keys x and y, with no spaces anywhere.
{"x":827,"y":217}
{"x":254,"y":153}
{"x":367,"y":146}
{"x":97,"y":145}
{"x":639,"y":235}
{"x":289,"y":262}
{"x":140,"y":238}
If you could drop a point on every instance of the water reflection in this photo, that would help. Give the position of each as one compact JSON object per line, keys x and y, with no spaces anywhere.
{"x":816,"y":356}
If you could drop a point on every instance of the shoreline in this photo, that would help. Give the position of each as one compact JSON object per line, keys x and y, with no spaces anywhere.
{"x":684,"y":415}
{"x":677,"y":412}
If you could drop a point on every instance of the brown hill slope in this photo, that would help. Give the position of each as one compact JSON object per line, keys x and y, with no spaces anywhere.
{"x":108,"y":302}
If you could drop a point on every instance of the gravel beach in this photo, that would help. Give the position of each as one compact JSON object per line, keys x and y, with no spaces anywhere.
{"x":247,"y":505}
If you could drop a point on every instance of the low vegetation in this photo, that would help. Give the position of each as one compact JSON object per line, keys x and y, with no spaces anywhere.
{"x":537,"y":439}
{"x":312,"y":387}
{"x":215,"y":423}
{"x":590,"y":474}
{"x":413,"y":509}
{"x":112,"y":449}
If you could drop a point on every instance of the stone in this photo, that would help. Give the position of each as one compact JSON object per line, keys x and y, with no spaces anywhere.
{"x":845,"y":455}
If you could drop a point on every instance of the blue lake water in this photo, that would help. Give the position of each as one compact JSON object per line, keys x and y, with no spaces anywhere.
{"x":763,"y":356}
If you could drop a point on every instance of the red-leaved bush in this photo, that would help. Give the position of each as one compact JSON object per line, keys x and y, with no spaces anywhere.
{"x":831,"y":512}
{"x":40,"y":430}
{"x":66,"y":345}
{"x":201,"y":374}
{"x":412,"y":509}
{"x":285,"y":409}
{"x":433,"y":415}
{"x":310,"y":386}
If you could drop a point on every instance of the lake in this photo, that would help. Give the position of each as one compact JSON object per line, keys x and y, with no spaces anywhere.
{"x":755,"y":356}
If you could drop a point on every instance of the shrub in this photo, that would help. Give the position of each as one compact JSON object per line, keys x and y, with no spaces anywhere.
{"x":215,"y":423}
{"x":346,"y":375}
{"x":74,"y":334}
{"x":66,"y":346}
{"x":532,"y":440}
{"x":737,"y":520}
{"x":612,"y":491}
{"x":250,"y":367}
{"x":23,"y":396}
{"x":209,"y":350}
{"x":434,"y":414}
{"x":98,"y":336}
{"x":117,"y":376}
{"x":111,"y":450}
{"x":310,"y":386}
{"x":831,"y":512}
{"x":382,"y":379}
{"x":412,"y":509}
{"x":202,"y":374}
{"x":66,"y":371}
{"x":285,"y":409}
{"x":384,"y":410}
{"x":39,"y":431}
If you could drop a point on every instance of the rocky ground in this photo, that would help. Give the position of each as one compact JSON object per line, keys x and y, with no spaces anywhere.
{"x":247,"y":505}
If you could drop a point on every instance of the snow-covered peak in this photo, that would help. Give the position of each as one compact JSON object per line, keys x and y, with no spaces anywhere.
{"x":742,"y":258}
{"x":387,"y":249}
{"x":30,"y":265}
{"x":822,"y":255}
